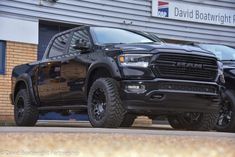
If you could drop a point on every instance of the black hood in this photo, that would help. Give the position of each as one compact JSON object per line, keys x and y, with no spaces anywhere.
{"x":228,"y":64}
{"x":158,"y":47}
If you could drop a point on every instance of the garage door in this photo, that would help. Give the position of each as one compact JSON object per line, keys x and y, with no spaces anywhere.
{"x":46,"y":31}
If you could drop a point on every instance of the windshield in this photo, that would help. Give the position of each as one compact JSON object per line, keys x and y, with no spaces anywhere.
{"x":105,"y":35}
{"x":222,"y":52}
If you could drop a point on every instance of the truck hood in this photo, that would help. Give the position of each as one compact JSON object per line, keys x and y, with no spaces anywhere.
{"x":228,"y":64}
{"x":158,"y":47}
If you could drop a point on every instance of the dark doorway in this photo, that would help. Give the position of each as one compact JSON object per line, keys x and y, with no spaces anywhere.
{"x":46,"y":31}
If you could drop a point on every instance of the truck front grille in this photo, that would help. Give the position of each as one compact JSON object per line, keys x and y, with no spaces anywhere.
{"x":185,"y":66}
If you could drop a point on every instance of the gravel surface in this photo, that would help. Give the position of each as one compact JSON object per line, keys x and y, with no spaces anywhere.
{"x":66,"y":142}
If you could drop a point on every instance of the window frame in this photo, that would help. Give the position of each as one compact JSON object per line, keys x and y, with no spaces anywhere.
{"x":72,"y":34}
{"x":52,"y":42}
{"x":46,"y":54}
{"x":3,"y":50}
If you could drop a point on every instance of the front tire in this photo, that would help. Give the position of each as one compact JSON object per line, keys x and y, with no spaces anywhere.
{"x":25,"y":113}
{"x":104,"y":104}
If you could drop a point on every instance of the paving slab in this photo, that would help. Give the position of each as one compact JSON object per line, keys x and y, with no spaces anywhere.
{"x":80,"y":140}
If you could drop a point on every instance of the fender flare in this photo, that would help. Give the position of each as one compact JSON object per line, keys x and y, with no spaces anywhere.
{"x":107,"y":63}
{"x":29,"y":86}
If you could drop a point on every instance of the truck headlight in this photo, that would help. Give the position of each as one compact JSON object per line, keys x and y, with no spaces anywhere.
{"x":135,"y":60}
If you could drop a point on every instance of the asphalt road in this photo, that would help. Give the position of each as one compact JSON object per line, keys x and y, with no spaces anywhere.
{"x":79,"y":139}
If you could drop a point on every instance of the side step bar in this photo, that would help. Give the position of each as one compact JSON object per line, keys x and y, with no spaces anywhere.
{"x":69,"y":107}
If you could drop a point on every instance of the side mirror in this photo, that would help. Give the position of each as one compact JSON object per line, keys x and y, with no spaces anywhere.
{"x":81,"y":45}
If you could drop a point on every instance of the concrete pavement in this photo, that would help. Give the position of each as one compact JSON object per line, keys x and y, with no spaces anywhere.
{"x":79,"y":139}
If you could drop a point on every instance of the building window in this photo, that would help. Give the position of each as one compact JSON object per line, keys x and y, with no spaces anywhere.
{"x":2,"y":56}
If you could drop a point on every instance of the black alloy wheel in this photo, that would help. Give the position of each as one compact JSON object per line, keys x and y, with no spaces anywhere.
{"x":25,"y":113}
{"x":98,"y":104}
{"x":105,"y":108}
{"x":20,"y":108}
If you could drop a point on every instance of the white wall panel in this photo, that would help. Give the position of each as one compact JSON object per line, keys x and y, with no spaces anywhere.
{"x":115,"y":12}
{"x":18,"y":30}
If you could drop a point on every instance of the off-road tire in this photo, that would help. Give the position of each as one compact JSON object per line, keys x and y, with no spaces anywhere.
{"x":114,"y":112}
{"x":206,"y":122}
{"x":128,"y":120}
{"x":230,"y":96}
{"x":175,"y":123}
{"x":30,"y":112}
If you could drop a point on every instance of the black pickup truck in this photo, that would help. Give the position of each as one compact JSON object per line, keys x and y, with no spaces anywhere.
{"x":116,"y":74}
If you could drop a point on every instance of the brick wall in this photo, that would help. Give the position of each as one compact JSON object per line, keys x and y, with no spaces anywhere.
{"x":16,"y":53}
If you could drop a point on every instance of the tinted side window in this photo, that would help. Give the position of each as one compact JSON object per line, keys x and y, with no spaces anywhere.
{"x":59,"y":45}
{"x":80,"y":34}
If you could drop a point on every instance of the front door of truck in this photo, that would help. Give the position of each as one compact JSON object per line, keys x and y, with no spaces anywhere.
{"x":73,"y":71}
{"x":49,"y":74}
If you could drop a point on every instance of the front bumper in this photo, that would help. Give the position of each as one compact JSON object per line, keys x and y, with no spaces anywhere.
{"x":167,"y":95}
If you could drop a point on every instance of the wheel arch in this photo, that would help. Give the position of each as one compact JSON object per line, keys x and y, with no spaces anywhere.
{"x":24,"y":82}
{"x":101,"y":69}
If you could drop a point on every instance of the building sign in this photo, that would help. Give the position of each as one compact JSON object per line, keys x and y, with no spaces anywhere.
{"x":187,"y":11}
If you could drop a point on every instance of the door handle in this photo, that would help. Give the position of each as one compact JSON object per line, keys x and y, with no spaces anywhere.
{"x":60,"y":79}
{"x":43,"y":65}
{"x":65,"y":62}
{"x":57,"y":78}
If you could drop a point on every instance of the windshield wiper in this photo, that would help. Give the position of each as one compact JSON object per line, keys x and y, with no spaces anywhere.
{"x":107,"y":44}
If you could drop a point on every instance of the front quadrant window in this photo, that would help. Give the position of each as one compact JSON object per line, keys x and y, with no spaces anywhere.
{"x":79,"y":35}
{"x":2,"y":56}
